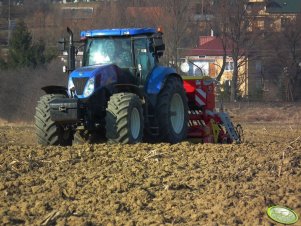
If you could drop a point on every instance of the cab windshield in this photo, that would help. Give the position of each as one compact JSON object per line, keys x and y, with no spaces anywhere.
{"x":110,"y":50}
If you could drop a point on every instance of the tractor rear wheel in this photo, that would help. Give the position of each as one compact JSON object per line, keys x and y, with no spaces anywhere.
{"x":124,"y":119}
{"x":49,"y":132}
{"x":172,"y":111}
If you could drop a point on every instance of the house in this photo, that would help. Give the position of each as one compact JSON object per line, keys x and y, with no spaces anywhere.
{"x":207,"y":60}
{"x":272,"y":15}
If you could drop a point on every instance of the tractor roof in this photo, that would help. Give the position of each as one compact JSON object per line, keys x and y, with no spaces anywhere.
{"x":117,"y":32}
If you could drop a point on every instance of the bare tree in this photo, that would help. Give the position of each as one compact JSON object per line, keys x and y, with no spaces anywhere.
{"x":233,"y":21}
{"x":175,"y":18}
{"x":39,"y":11}
{"x":126,"y":13}
{"x":284,"y":54}
{"x":220,"y":29}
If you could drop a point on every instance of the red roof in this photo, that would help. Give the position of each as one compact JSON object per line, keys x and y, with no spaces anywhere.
{"x":210,"y":46}
{"x":205,"y":39}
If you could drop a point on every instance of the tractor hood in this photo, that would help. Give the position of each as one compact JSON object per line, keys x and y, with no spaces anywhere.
{"x":87,"y":80}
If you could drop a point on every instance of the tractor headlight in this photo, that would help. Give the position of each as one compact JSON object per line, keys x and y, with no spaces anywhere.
{"x":70,"y":86}
{"x":89,"y":87}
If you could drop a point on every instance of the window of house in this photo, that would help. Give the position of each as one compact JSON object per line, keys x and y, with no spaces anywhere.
{"x":260,"y":24}
{"x":229,"y":66}
{"x":200,"y":68}
{"x":285,"y":22}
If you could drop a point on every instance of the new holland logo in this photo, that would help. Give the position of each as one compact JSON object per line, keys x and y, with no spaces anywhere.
{"x":282,"y":215}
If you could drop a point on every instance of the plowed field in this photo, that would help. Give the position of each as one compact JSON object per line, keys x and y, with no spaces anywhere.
{"x":144,"y":184}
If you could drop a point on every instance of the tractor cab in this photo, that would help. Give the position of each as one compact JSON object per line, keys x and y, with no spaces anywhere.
{"x":135,"y":51}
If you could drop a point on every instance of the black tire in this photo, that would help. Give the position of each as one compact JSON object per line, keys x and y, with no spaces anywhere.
{"x":172,"y":96}
{"x":49,"y":132}
{"x":124,"y":119}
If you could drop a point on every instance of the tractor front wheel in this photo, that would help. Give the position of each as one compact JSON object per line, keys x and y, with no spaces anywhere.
{"x":49,"y":132}
{"x":124,"y":119}
{"x":172,"y":111}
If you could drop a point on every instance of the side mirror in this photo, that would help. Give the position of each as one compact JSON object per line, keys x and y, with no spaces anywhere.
{"x":160,"y":50}
{"x":62,"y":44}
{"x":158,"y":45}
{"x":157,"y":41}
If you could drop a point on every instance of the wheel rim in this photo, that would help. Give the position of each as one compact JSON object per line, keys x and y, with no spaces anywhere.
{"x":177,"y":113}
{"x":135,"y":123}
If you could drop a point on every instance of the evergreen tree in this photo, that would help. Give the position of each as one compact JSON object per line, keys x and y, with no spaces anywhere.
{"x":23,"y":52}
{"x":20,"y":47}
{"x":38,"y":53}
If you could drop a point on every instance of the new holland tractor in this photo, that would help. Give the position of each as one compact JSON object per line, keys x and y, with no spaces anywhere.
{"x":122,"y":94}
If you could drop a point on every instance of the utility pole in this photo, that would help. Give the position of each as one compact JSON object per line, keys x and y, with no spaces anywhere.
{"x":9,"y":27}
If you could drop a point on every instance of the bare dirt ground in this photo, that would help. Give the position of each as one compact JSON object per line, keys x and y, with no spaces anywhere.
{"x":153,"y":184}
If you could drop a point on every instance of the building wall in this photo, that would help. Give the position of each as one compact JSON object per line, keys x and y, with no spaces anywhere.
{"x":228,"y":74}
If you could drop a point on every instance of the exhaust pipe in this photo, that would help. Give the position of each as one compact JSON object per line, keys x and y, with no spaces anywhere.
{"x":71,"y":51}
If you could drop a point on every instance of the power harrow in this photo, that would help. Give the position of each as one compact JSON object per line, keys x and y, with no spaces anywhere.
{"x":205,"y":122}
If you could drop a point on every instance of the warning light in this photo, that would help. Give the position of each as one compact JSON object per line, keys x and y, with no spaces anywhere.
{"x":159,"y":29}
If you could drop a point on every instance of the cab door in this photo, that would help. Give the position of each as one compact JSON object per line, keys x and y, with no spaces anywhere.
{"x":144,"y":59}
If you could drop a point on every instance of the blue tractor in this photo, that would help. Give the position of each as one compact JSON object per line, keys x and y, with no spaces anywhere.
{"x":121,"y":94}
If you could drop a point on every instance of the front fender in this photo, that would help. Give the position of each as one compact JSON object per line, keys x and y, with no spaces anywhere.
{"x":55,"y":90}
{"x":157,"y":79}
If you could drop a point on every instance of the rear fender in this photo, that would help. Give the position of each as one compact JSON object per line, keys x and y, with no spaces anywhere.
{"x":158,"y":77}
{"x":55,"y":90}
{"x":157,"y":80}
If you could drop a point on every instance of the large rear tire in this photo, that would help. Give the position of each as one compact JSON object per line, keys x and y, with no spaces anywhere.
{"x":124,"y":119}
{"x":172,"y":111}
{"x":49,"y":132}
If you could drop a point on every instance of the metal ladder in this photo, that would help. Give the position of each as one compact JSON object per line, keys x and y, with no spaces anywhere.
{"x":229,"y":126}
{"x":153,"y":129}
